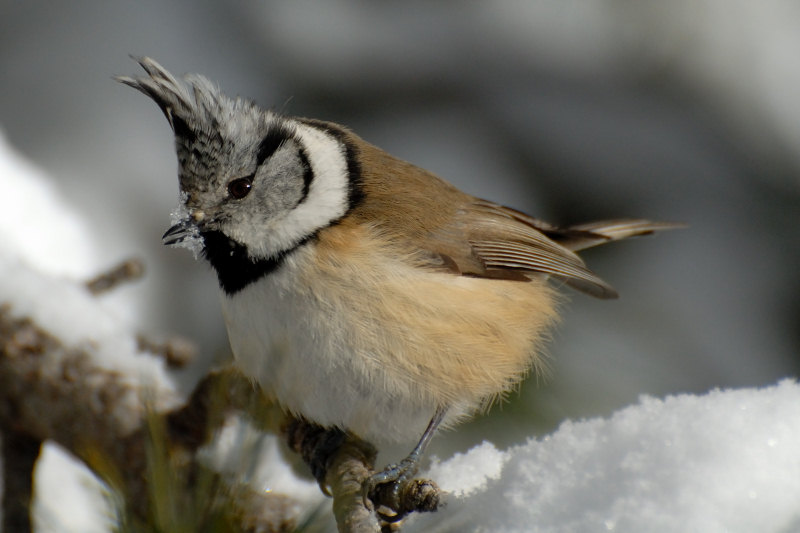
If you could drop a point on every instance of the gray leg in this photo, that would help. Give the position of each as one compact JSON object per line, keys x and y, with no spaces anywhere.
{"x":402,"y":472}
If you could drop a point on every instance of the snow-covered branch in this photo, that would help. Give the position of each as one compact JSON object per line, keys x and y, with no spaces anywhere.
{"x":113,"y":422}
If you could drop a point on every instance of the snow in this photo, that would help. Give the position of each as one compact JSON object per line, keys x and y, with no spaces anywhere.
{"x":36,"y":224}
{"x":67,"y":310}
{"x":46,"y":253}
{"x":69,"y":498}
{"x":727,"y":460}
{"x":468,"y":473}
{"x":243,"y":452}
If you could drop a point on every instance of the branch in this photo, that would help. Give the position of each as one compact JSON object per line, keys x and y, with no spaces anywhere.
{"x":131,"y":438}
{"x":125,"y":272}
{"x":342,"y":463}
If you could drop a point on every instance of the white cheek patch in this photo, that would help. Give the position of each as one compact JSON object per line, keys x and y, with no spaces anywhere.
{"x":327,"y":198}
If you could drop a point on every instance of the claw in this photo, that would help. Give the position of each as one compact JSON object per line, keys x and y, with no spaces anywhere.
{"x":398,"y":476}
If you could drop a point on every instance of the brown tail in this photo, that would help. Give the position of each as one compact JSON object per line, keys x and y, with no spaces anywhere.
{"x":582,"y":236}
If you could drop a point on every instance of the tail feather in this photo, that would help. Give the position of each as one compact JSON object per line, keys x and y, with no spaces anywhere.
{"x":582,"y":236}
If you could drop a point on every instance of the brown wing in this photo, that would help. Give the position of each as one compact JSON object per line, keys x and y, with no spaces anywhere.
{"x":504,"y":238}
{"x":581,"y":236}
{"x":476,"y":237}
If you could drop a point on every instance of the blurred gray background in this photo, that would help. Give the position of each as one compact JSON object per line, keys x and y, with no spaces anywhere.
{"x":570,"y":110}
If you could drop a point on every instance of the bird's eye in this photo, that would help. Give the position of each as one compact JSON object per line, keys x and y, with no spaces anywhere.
{"x":240,"y":187}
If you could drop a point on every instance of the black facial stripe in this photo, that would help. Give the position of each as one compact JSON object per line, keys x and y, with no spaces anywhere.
{"x":355,"y":192}
{"x":273,"y":140}
{"x":235,"y":269}
{"x":308,"y":176}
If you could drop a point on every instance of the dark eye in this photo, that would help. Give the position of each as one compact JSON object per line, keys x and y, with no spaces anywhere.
{"x":240,"y":187}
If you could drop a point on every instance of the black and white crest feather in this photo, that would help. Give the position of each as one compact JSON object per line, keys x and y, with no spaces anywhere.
{"x":302,"y":177}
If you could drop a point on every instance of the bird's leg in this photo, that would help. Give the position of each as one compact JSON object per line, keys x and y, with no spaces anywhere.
{"x":401,"y":473}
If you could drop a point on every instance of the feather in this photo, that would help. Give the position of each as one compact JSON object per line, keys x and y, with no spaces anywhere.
{"x":477,"y":237}
{"x":584,"y":236}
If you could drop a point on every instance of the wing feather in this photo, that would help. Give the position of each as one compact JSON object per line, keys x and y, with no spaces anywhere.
{"x":503,"y":238}
{"x":473,"y":237}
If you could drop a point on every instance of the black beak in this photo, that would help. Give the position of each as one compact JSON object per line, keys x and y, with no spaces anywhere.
{"x":179,"y":233}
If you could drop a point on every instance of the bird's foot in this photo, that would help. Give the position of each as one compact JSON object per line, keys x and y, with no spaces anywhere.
{"x":394,"y":493}
{"x":393,"y":476}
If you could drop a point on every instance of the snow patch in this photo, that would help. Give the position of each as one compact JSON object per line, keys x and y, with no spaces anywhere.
{"x":726,"y":461}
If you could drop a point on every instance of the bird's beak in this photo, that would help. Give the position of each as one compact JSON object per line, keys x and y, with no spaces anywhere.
{"x":178,"y":233}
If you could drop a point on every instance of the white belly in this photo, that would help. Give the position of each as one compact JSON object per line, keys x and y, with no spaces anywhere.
{"x":370,"y":343}
{"x":300,"y":352}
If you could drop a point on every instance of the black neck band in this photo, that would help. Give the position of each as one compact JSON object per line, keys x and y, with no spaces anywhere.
{"x":235,"y":269}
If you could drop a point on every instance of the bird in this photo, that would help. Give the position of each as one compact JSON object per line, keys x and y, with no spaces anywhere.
{"x":360,"y":291}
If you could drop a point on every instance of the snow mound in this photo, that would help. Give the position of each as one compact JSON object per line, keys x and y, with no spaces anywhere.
{"x":724,"y":461}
